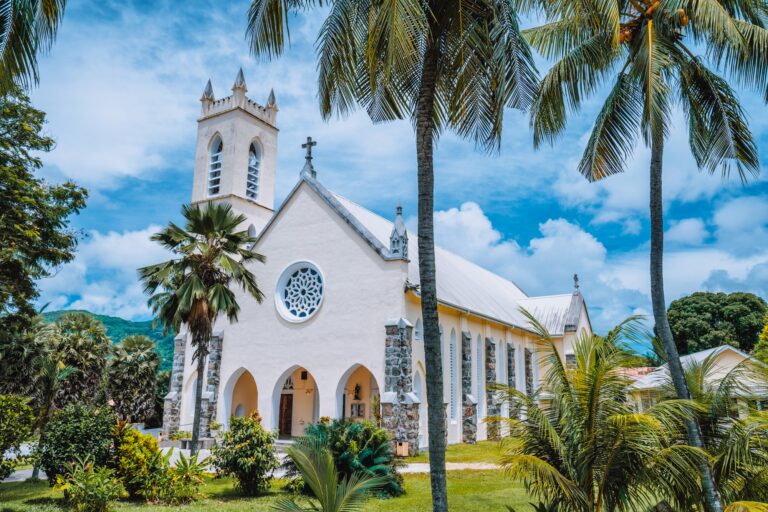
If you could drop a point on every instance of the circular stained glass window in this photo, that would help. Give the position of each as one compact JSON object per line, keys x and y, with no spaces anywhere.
{"x":299,"y":292}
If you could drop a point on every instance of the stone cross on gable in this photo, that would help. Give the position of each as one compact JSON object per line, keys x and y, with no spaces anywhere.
{"x":576,"y":281}
{"x":308,"y":167}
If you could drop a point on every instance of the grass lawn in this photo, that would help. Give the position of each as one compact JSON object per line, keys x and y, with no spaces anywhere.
{"x":483,"y":451}
{"x":468,"y":490}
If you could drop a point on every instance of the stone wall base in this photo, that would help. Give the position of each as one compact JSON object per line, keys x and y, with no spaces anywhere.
{"x":402,"y":421}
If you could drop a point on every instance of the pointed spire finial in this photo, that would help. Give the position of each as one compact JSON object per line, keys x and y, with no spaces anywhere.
{"x":271,"y":101}
{"x":308,"y":167}
{"x":208,"y":92}
{"x":398,"y":240}
{"x":399,"y":209}
{"x":240,"y":81}
{"x":576,"y":282}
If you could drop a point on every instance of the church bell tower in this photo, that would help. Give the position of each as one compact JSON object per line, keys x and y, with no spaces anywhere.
{"x":236,"y":153}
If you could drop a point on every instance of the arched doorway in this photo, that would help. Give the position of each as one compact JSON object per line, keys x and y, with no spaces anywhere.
{"x":419,"y":388}
{"x":189,"y":396}
{"x":241,"y":396}
{"x":357,"y":394}
{"x":295,"y":402}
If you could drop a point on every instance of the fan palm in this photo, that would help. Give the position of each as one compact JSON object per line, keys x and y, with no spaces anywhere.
{"x":646,"y":50}
{"x":318,"y":470}
{"x":580,"y":445}
{"x":27,"y":27}
{"x":131,"y":378}
{"x":445,"y":64}
{"x":735,"y":436}
{"x":195,"y":287}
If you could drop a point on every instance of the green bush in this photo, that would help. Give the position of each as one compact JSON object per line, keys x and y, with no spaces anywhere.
{"x":16,"y":420}
{"x":75,"y":433}
{"x":176,"y":485}
{"x":136,"y":458}
{"x":247,"y":452}
{"x":88,"y":488}
{"x":358,"y":447}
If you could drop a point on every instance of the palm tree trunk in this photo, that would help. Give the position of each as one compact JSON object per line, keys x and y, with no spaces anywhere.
{"x":435,"y":405}
{"x":711,"y":496}
{"x":198,"y":402}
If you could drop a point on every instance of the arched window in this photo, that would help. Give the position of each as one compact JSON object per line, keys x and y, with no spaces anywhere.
{"x":418,"y":331}
{"x":254,"y":164}
{"x":452,"y":373}
{"x":214,"y":168}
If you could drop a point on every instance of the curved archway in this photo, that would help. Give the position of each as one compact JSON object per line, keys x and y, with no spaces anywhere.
{"x":189,"y":395}
{"x":254,"y":170}
{"x":418,"y":331}
{"x":214,"y":165}
{"x":295,"y":402}
{"x":241,"y":396}
{"x":420,"y":390}
{"x":356,"y":392}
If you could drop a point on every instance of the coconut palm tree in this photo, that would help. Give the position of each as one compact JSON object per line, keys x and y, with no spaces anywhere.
{"x":318,"y":470}
{"x":27,"y":28}
{"x":580,"y":446}
{"x":646,"y":50}
{"x":444,"y":64}
{"x":735,"y":436}
{"x":131,"y":378}
{"x":195,"y":287}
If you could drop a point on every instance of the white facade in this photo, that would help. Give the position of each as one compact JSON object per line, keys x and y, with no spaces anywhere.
{"x":335,"y":361}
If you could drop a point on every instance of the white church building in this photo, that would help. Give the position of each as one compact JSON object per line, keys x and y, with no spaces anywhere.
{"x":339,"y":334}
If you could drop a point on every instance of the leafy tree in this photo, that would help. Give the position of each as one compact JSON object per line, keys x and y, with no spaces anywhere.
{"x":445,"y":64}
{"x":332,"y":492}
{"x":132,"y":378}
{"x":761,"y":349}
{"x":586,"y":448}
{"x":642,"y":49}
{"x":19,"y":352}
{"x":27,"y":28}
{"x":34,"y":232}
{"x":705,"y":320}
{"x":16,"y":421}
{"x":195,"y":288}
{"x":162,"y":385}
{"x":247,"y":452}
{"x":80,"y":343}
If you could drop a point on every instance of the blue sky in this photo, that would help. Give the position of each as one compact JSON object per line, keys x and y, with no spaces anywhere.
{"x":121,"y":89}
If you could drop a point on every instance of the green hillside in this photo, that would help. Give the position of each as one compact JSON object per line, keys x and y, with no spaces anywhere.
{"x":118,"y":328}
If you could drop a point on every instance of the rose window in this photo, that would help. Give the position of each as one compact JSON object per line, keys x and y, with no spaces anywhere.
{"x":300,"y":292}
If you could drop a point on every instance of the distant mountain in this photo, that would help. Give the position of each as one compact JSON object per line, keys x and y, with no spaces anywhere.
{"x":119,"y":328}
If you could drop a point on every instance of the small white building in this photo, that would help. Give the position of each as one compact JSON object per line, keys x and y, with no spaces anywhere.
{"x":340,"y":333}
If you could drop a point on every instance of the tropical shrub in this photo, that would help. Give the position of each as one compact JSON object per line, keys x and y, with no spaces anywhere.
{"x":247,"y":452}
{"x":132,"y":378}
{"x":89,"y":488}
{"x":76,"y":432}
{"x":358,"y":447}
{"x":331,"y":491}
{"x":186,"y":477}
{"x":586,"y":448}
{"x":136,"y":458}
{"x":16,"y":421}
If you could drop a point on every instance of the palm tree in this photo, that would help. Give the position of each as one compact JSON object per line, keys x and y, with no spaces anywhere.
{"x":735,"y":436}
{"x":27,"y":27}
{"x":131,"y":378}
{"x":195,"y":287}
{"x":641,"y":46}
{"x":318,"y":470}
{"x":445,"y":64}
{"x":81,"y":342}
{"x":581,"y":447}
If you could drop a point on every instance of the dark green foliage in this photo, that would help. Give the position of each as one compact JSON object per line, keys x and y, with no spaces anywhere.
{"x":132,"y":378}
{"x":19,"y":354}
{"x":118,"y":328}
{"x":247,"y":452}
{"x":16,"y":420}
{"x":704,"y":320}
{"x":34,"y":228}
{"x":76,"y":431}
{"x":88,"y":488}
{"x":360,"y":447}
{"x":162,"y":383}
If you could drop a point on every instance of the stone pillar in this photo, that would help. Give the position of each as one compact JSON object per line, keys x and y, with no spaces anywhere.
{"x":172,"y":402}
{"x":529,"y":372}
{"x":399,"y":405}
{"x":511,"y":378}
{"x":210,"y":398}
{"x":468,"y":402}
{"x":490,"y":395}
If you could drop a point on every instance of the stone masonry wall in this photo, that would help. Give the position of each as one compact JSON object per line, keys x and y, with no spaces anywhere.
{"x":172,"y":402}
{"x":211,"y":392}
{"x":492,"y":407}
{"x":469,"y":420}
{"x":400,"y":417}
{"x":529,"y":372}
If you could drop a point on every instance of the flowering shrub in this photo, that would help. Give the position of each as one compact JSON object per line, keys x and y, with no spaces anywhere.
{"x":247,"y":452}
{"x":88,"y":488}
{"x":136,"y":457}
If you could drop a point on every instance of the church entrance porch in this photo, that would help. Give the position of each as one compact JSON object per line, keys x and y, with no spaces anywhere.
{"x":296,"y":402}
{"x":241,"y":396}
{"x":358,"y":395}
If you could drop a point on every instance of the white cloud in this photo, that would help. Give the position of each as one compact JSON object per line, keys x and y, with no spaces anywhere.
{"x":686,"y":232}
{"x":742,"y":224}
